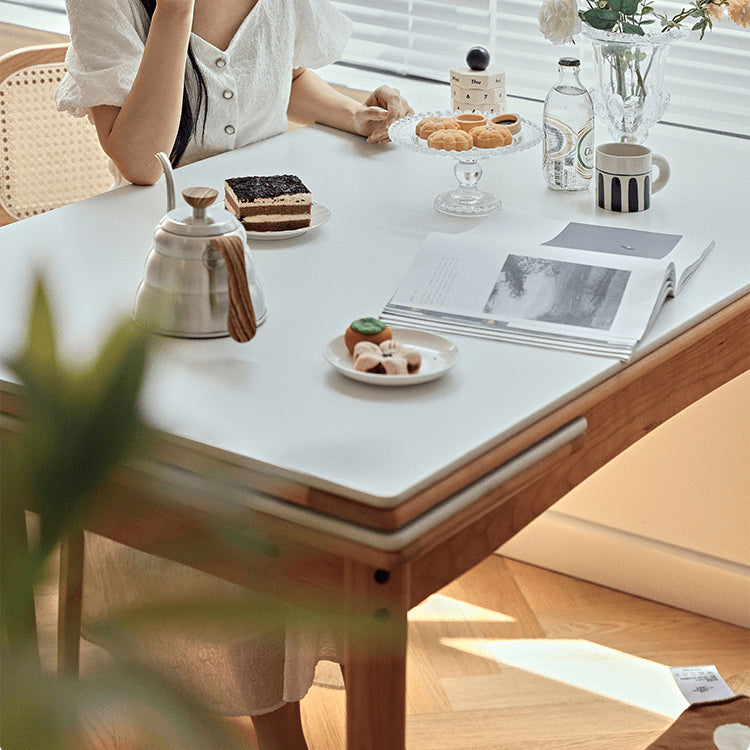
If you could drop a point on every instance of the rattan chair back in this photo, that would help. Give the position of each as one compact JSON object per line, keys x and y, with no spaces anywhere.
{"x":48,"y":158}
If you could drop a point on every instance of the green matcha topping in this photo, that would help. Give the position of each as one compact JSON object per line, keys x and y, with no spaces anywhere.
{"x":368,"y":326}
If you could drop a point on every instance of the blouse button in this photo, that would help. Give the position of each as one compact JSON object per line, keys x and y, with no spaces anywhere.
{"x":229,"y":130}
{"x":228,"y":94}
{"x":220,"y":62}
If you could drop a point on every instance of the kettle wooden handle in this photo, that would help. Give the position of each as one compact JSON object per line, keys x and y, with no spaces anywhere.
{"x":241,"y":316}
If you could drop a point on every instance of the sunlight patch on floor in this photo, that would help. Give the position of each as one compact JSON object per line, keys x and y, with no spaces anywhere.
{"x":441,"y":608}
{"x":587,"y":666}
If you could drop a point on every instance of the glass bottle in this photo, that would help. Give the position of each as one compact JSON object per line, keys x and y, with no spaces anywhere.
{"x":568,"y":125}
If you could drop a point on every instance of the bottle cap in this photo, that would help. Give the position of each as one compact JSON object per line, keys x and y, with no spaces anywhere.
{"x":569,"y":62}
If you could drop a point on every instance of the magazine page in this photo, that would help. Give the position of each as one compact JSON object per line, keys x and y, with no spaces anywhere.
{"x":549,"y":296}
{"x":685,"y":253}
{"x":566,"y":285}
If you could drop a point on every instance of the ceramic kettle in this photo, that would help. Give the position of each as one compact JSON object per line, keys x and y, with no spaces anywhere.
{"x":199,"y":280}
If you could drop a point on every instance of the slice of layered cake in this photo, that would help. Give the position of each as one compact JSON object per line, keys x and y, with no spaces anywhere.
{"x":268,"y":203}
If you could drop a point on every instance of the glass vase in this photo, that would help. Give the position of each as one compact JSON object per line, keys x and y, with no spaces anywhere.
{"x":628,"y":90}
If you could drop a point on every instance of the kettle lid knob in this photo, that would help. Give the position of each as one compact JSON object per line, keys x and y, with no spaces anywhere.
{"x":200,"y":197}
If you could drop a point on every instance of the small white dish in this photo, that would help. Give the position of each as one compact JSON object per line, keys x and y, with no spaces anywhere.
{"x":439,"y":355}
{"x":319,"y":215}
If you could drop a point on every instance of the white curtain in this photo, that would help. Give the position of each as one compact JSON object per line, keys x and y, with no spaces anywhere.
{"x":709,"y":80}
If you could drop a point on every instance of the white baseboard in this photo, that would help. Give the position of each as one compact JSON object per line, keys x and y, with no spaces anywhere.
{"x":638,"y":565}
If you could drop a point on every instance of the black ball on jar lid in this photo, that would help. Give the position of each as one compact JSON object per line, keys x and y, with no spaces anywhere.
{"x":478,"y":58}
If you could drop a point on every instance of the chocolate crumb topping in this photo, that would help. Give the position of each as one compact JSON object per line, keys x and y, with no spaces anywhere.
{"x":247,"y":189}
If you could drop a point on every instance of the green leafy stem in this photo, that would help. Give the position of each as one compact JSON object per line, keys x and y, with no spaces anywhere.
{"x":630,"y":16}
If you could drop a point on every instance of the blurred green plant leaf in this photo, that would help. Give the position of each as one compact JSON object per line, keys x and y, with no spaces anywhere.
{"x":41,"y":349}
{"x":43,"y":712}
{"x":78,"y":424}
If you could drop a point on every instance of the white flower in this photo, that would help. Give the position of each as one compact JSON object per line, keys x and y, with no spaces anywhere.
{"x":559,"y":21}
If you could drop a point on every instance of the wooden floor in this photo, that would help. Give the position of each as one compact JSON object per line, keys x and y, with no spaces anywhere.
{"x":513,"y":657}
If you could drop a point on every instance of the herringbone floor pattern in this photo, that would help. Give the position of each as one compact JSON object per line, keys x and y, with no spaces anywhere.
{"x":514,"y":657}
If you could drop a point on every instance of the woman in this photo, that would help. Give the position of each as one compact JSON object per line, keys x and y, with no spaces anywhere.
{"x":248,"y":65}
{"x":193,"y":78}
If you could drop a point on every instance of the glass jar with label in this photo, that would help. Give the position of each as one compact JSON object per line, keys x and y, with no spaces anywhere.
{"x":568,"y":125}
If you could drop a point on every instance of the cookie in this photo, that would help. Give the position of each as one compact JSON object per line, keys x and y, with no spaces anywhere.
{"x":451,"y":140}
{"x":366,"y":329}
{"x":491,"y":136}
{"x":468,"y":120}
{"x":386,"y":358}
{"x":510,"y":121}
{"x":429,"y":125}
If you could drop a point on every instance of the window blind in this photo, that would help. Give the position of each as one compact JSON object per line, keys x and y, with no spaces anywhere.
{"x":709,"y":80}
{"x":415,"y":37}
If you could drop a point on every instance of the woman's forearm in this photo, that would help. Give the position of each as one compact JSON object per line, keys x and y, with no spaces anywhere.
{"x":314,"y":100}
{"x":148,"y":120}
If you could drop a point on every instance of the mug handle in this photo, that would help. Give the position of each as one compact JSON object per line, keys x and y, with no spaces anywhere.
{"x":664,"y":172}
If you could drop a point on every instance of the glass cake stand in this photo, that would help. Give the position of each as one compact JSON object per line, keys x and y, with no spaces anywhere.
{"x":467,"y":199}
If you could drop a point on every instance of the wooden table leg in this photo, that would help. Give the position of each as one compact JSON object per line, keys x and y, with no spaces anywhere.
{"x":69,"y":599}
{"x":375,"y":666}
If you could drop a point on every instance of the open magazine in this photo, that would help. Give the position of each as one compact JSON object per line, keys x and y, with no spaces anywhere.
{"x":579,"y":287}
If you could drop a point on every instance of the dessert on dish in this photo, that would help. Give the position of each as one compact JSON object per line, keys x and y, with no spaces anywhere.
{"x":468,"y":120}
{"x":428,"y":125}
{"x":509,"y":120}
{"x":491,"y":136}
{"x":366,"y":329}
{"x":451,"y":140}
{"x":388,"y":358}
{"x":268,"y":203}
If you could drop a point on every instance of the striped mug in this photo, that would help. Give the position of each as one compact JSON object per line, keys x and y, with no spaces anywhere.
{"x":623,"y":176}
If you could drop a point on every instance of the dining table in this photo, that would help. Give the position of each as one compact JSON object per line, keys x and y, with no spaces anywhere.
{"x":375,"y":497}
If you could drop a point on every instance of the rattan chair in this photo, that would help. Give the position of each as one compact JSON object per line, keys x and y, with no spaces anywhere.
{"x":48,"y":157}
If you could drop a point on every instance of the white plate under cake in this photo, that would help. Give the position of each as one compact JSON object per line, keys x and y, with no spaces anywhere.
{"x":319,"y":215}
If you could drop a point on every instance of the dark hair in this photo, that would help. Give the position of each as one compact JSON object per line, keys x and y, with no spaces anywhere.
{"x":188,"y":116}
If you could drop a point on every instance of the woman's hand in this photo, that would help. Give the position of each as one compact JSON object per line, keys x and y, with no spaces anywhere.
{"x":384,"y":106}
{"x":314,"y":100}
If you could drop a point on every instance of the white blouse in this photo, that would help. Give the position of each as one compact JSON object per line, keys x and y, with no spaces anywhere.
{"x":248,"y":83}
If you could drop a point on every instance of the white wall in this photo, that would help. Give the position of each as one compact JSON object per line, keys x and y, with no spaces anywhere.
{"x":669,"y":519}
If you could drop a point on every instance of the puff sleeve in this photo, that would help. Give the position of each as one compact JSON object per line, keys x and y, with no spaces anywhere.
{"x":106,"y":47}
{"x":322,"y":33}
